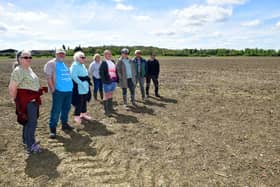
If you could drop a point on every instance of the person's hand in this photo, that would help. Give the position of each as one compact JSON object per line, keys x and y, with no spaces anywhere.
{"x":52,"y":90}
{"x":45,"y":89}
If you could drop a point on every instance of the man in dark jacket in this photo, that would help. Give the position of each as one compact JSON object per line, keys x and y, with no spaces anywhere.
{"x":153,"y":69}
{"x":140,"y":66}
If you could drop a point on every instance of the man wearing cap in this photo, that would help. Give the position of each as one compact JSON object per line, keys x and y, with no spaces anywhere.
{"x":60,"y":85}
{"x":153,"y":69}
{"x":127,"y":74}
{"x":140,"y":64}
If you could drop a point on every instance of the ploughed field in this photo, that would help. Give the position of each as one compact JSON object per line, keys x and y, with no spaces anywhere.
{"x":217,"y":124}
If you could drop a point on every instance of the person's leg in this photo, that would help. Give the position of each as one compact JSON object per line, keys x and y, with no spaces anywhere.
{"x":132,"y":90}
{"x":84,"y":114}
{"x":124,"y":94}
{"x":24,"y":135}
{"x":141,"y":83}
{"x":110,"y":100}
{"x":55,"y":112}
{"x":107,"y":96}
{"x":95,"y":87}
{"x":78,"y":110}
{"x":66,"y":106}
{"x":32,"y":113}
{"x":100,"y":89}
{"x":148,"y":81}
{"x":155,"y":81}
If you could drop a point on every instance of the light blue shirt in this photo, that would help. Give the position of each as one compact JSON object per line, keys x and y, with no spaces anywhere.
{"x":127,"y":68}
{"x":63,"y":82}
{"x":79,"y":70}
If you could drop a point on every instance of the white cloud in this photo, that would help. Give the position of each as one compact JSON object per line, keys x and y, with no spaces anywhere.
{"x":118,"y":1}
{"x":252,"y":23}
{"x":11,"y":5}
{"x":27,"y":16}
{"x":143,"y":18}
{"x":226,"y":2}
{"x":198,"y":15}
{"x":3,"y":27}
{"x":164,"y":33}
{"x":121,"y":6}
{"x":278,"y":24}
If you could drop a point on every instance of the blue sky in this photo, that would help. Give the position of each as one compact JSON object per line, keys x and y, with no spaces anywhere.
{"x":176,"y":24}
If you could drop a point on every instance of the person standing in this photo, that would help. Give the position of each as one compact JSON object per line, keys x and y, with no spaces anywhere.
{"x":127,"y":76}
{"x":60,"y":85}
{"x":140,"y":64}
{"x":153,"y":69}
{"x":81,"y":90}
{"x":93,"y":72}
{"x":108,"y":75}
{"x":25,"y":92}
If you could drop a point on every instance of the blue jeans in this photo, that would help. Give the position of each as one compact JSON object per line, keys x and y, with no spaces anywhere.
{"x":61,"y":105}
{"x":141,"y":81}
{"x":30,"y":127}
{"x":97,"y":85}
{"x":109,"y":87}
{"x":131,"y":89}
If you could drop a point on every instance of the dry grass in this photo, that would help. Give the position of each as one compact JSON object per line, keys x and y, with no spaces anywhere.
{"x":216,"y":125}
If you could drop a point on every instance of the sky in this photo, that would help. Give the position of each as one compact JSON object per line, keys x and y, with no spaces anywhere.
{"x":174,"y":24}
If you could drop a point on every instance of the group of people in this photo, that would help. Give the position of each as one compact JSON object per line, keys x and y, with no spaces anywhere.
{"x":72,"y":86}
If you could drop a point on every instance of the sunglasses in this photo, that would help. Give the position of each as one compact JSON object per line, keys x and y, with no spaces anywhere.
{"x":27,"y":57}
{"x":83,"y":57}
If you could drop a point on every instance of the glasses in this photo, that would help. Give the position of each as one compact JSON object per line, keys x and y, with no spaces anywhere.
{"x":82,"y":57}
{"x":27,"y":57}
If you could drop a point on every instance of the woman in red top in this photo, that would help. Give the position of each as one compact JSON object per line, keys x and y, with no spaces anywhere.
{"x":24,"y":89}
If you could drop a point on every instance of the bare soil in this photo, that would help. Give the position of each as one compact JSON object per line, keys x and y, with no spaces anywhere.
{"x":217,"y":124}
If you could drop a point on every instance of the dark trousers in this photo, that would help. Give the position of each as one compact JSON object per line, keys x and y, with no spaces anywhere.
{"x":28,"y":132}
{"x":131,"y":89}
{"x":81,"y":106}
{"x":61,"y":105}
{"x":141,"y":81}
{"x":154,"y":78}
{"x":97,"y":85}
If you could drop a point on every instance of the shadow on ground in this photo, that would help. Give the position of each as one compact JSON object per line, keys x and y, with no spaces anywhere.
{"x":42,"y":164}
{"x":165,"y":99}
{"x":141,"y":109}
{"x":122,"y":118}
{"x":95,"y":128}
{"x":77,"y":143}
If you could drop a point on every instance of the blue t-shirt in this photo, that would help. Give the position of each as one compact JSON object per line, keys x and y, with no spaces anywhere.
{"x":63,"y":80}
{"x":127,"y":68}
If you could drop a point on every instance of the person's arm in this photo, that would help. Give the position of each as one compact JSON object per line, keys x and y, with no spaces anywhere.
{"x":51,"y":84}
{"x":119,"y":69}
{"x":49,"y":71}
{"x":16,"y":78}
{"x":13,"y":89}
{"x":158,"y":68}
{"x":74,"y":74}
{"x":90,"y":70}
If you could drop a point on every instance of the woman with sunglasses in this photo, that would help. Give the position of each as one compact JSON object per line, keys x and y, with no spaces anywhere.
{"x":25,"y":91}
{"x":81,"y":90}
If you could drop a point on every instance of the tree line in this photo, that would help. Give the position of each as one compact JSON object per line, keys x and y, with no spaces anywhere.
{"x":178,"y":52}
{"x":146,"y":50}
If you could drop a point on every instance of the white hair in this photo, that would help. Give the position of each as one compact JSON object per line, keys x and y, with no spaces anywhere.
{"x":137,"y":51}
{"x":78,"y":54}
{"x":25,"y":53}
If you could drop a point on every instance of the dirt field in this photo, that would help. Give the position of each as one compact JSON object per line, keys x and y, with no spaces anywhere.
{"x":216,"y":125}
